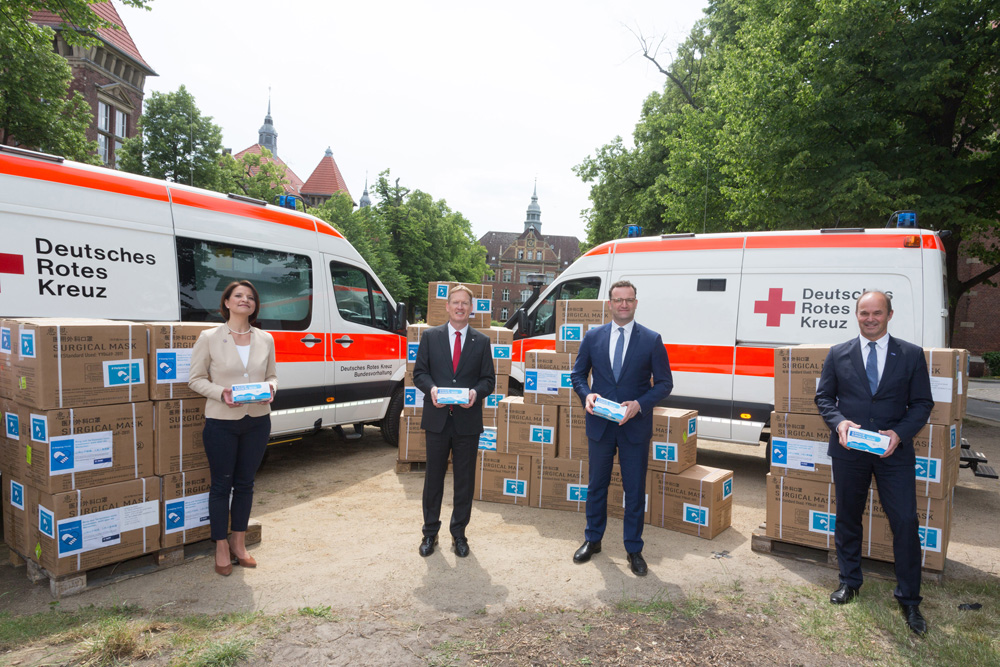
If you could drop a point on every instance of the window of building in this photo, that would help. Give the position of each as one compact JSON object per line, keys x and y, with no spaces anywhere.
{"x":121,"y":123}
{"x":520,"y":254}
{"x":524,"y":279}
{"x":507,"y":273}
{"x":549,"y":277}
{"x":525,"y":295}
{"x":103,"y":117}
{"x":102,"y":147}
{"x":506,"y":295}
{"x":504,"y":315}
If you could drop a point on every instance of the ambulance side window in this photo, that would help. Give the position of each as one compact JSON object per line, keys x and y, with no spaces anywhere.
{"x":283,"y":280}
{"x":579,"y":288}
{"x":359,"y":298}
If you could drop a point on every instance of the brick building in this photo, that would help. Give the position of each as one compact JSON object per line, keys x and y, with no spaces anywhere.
{"x":977,"y":316}
{"x":514,"y":255}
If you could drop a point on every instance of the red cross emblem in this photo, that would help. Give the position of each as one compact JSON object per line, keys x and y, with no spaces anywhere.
{"x":11,"y":263}
{"x":774,"y":307}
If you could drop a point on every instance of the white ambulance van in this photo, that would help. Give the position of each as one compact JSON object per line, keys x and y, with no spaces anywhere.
{"x":85,"y":241}
{"x":723,"y":302}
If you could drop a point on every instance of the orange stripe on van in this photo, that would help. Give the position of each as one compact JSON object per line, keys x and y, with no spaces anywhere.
{"x":932,"y":241}
{"x":602,"y":249}
{"x":700,"y":358}
{"x":368,"y":347}
{"x":826,"y":241}
{"x":289,"y":348}
{"x":106,"y":180}
{"x":324,"y":227}
{"x":242,"y":209}
{"x":661,"y":245}
{"x":525,"y":345}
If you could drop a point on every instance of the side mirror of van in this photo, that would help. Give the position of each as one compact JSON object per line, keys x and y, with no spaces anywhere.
{"x":522,"y":323}
{"x":399,"y":319}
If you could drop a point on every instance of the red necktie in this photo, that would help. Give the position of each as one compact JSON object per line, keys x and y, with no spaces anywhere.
{"x":457,"y":353}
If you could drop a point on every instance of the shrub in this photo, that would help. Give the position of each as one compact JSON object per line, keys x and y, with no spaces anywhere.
{"x":992,"y":360}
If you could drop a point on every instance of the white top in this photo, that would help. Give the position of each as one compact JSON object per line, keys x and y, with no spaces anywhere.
{"x":614,"y":340}
{"x":244,"y":351}
{"x":881,"y":351}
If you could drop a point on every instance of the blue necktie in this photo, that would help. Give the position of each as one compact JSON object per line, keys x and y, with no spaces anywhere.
{"x":871,"y":368}
{"x":616,"y":365}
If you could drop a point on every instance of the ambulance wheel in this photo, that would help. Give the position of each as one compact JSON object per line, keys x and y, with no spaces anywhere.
{"x":390,"y":423}
{"x":514,"y":388}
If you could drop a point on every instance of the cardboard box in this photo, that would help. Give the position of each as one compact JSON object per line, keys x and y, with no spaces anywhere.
{"x":503,"y":478}
{"x":177,"y":435}
{"x":945,"y":368}
{"x":169,"y":360}
{"x":963,"y":386}
{"x":572,"y":434}
{"x":64,"y":363}
{"x":412,"y":441}
{"x":527,"y":429}
{"x":502,"y":346}
{"x":453,"y":395}
{"x":934,"y":516}
{"x":575,"y":317}
{"x":482,"y":303}
{"x":77,"y":448}
{"x":547,"y":378}
{"x":796,"y":376}
{"x":15,"y":514}
{"x":8,"y":343}
{"x":798,"y":447}
{"x":697,"y":501}
{"x":674,"y":445}
{"x":10,"y":440}
{"x":81,"y":530}
{"x":559,"y":484}
{"x":937,"y":449}
{"x":184,"y":517}
{"x":414,"y":332}
{"x":616,"y":495}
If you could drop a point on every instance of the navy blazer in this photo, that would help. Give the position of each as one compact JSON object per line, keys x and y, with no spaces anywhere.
{"x":645,"y":358}
{"x":902,"y":401}
{"x":433,"y":368}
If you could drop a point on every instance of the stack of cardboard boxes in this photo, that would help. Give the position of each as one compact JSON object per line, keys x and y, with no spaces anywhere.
{"x":801,"y":503}
{"x":86,"y":454}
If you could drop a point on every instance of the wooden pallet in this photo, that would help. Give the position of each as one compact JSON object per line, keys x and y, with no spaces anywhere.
{"x":403,"y":467}
{"x":155,"y":561}
{"x":762,"y":543}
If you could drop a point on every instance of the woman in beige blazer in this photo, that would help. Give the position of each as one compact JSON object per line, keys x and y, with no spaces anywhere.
{"x":235,"y":435}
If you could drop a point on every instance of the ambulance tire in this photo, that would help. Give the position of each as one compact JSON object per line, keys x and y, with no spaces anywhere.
{"x":514,"y":388}
{"x":390,"y":423}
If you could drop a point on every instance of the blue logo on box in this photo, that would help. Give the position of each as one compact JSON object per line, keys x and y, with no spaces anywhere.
{"x":39,"y":428}
{"x":501,"y":351}
{"x":571,"y":332}
{"x":28,"y":344}
{"x":61,"y":455}
{"x":541,"y":435}
{"x":46,"y":523}
{"x":664,"y":451}
{"x":692,"y":425}
{"x":779,"y":451}
{"x":576,"y":493}
{"x":482,"y":306}
{"x":493,"y":400}
{"x":531,"y":380}
{"x":727,"y":488}
{"x":166,"y":365}
{"x":70,"y":536}
{"x":442,"y":291}
{"x":927,"y":469}
{"x":515,"y":487}
{"x":954,"y":436}
{"x":174,"y":512}
{"x":696,"y":515}
{"x":123,"y":374}
{"x":5,"y":344}
{"x":821,"y":522}
{"x":410,"y":397}
{"x":566,"y":380}
{"x":13,"y":426}
{"x":411,"y":351}
{"x":16,"y":495}
{"x":930,"y":538}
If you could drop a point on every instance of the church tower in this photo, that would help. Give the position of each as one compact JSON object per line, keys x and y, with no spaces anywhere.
{"x":267,"y":135}
{"x":534,"y":219}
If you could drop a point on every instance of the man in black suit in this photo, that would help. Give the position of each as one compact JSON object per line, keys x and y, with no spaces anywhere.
{"x":455,"y":356}
{"x":878,"y":383}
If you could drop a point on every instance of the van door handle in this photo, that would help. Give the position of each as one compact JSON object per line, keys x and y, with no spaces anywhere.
{"x":344,"y":341}
{"x":310,"y":340}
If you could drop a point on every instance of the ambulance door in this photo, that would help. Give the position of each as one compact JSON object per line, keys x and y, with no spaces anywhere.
{"x":364,"y":352}
{"x":219,"y":241}
{"x":690,"y":296}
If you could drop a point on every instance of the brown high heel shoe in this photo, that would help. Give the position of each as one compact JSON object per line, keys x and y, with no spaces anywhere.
{"x":244,"y":562}
{"x":225,"y":570}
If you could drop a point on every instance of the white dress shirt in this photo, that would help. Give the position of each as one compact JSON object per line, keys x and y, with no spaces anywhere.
{"x":881,"y":351}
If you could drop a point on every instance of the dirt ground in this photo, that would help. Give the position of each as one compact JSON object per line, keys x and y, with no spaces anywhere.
{"x":341,"y":530}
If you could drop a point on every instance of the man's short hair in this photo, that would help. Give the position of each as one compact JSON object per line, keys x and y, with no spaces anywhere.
{"x":622,"y":283}
{"x":461,"y":288}
{"x":888,"y":299}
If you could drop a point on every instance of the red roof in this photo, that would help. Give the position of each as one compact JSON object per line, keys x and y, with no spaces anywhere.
{"x":119,"y":39}
{"x":294,"y":184}
{"x":326,"y":179}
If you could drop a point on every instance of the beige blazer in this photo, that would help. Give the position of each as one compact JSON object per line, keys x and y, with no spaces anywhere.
{"x":216,"y":366}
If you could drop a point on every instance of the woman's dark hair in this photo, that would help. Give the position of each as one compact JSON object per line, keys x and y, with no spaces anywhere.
{"x":229,"y":292}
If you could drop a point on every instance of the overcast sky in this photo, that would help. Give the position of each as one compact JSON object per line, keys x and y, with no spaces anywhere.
{"x":466,"y":101}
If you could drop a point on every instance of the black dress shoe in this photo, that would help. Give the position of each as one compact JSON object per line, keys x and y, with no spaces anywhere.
{"x":914,"y":619}
{"x":638,"y":564}
{"x":844,"y":594}
{"x":427,"y":545}
{"x":461,"y":547}
{"x":588,"y":549}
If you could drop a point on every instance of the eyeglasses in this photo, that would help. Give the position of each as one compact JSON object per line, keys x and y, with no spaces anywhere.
{"x":619,"y":302}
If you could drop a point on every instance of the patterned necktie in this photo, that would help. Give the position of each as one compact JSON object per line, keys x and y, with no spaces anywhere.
{"x":871,"y":368}
{"x":457,"y":354}
{"x":616,"y":366}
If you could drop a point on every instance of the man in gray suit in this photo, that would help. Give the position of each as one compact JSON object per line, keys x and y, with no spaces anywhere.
{"x":878,"y":383}
{"x":453,"y":355}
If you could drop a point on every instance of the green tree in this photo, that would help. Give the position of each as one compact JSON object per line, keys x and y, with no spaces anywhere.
{"x":176,"y":142}
{"x":253,"y":175}
{"x":77,"y":14}
{"x":34,"y":108}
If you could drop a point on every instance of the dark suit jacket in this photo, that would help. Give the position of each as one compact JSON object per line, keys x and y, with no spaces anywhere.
{"x":902,"y":402}
{"x":433,"y":368}
{"x":645,"y":358}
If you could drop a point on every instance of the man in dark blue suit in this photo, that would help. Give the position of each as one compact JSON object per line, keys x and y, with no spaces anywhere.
{"x":622,"y":357}
{"x":878,"y":383}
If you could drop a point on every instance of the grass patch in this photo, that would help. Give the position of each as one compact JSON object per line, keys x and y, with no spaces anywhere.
{"x":324,"y":611}
{"x":223,"y":653}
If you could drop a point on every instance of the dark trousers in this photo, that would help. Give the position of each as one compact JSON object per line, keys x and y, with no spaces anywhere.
{"x":897,"y":492}
{"x":463,"y":450}
{"x":235,"y":449}
{"x":632,"y":459}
